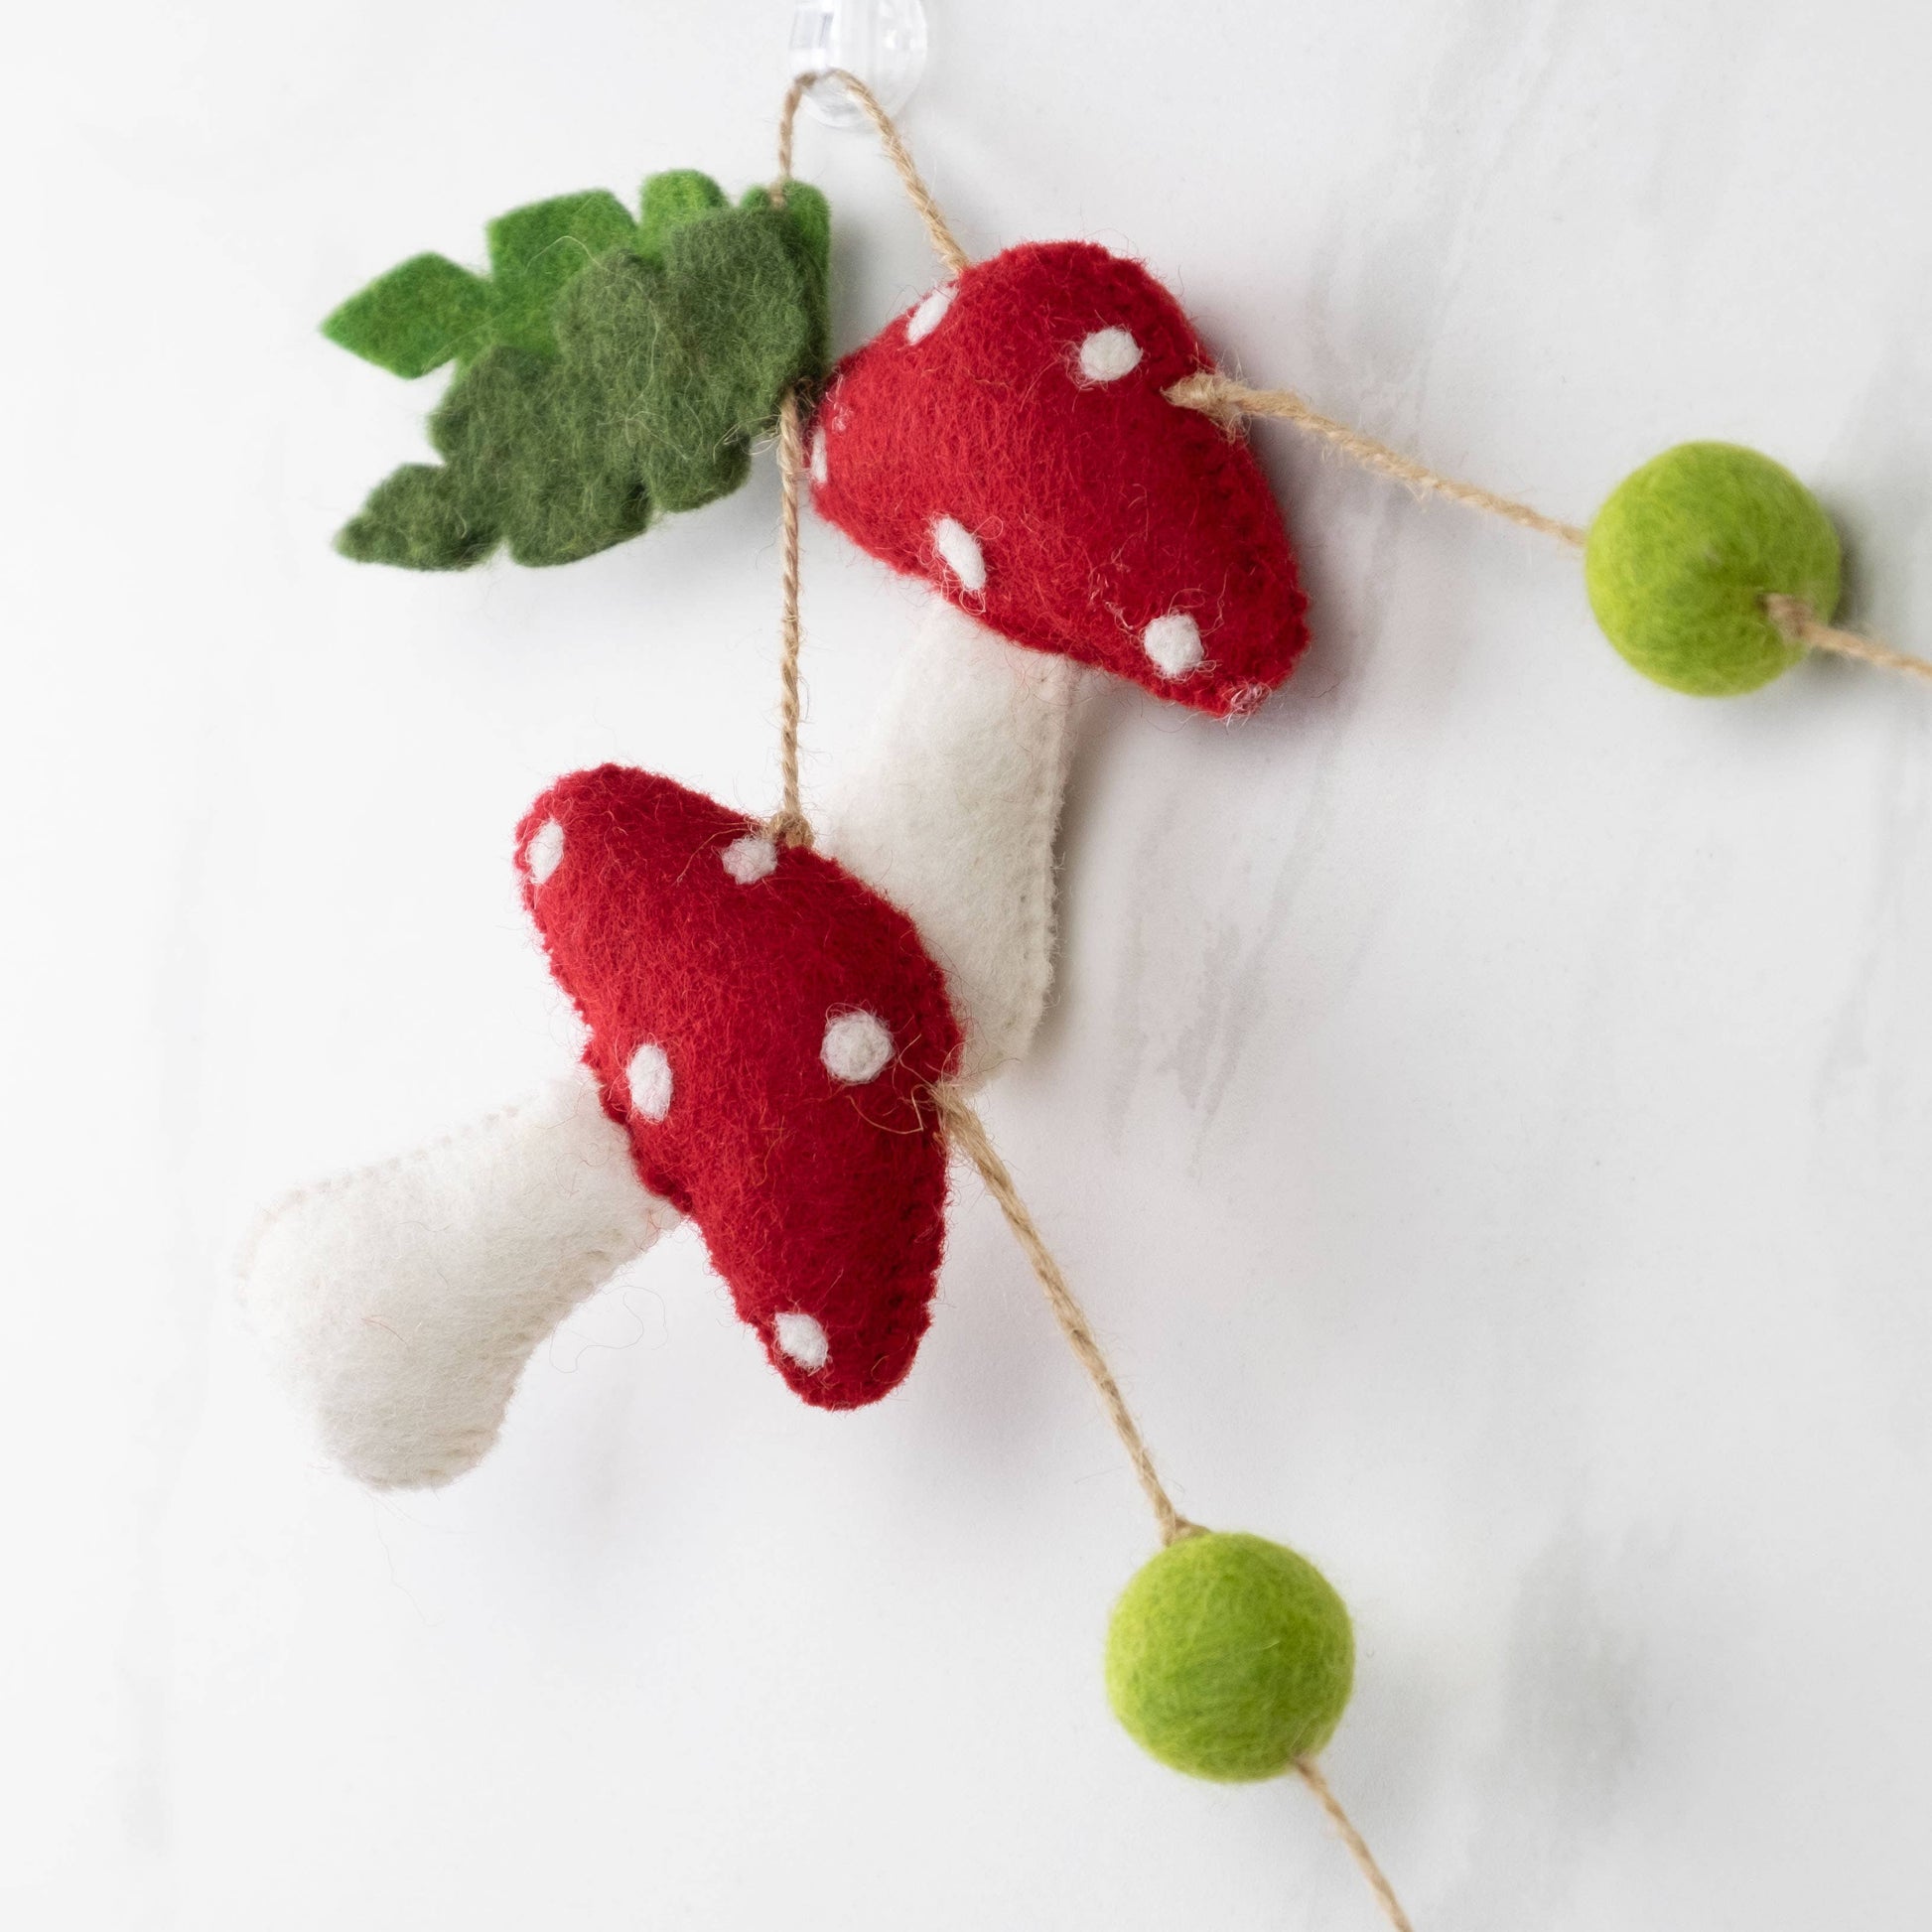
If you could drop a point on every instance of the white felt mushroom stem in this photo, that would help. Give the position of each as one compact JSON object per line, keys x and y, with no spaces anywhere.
{"x":400,"y":1302}
{"x":952,"y":813}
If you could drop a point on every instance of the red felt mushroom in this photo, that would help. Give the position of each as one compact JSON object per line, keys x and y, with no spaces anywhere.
{"x":765,"y":1029}
{"x":1010,"y":439}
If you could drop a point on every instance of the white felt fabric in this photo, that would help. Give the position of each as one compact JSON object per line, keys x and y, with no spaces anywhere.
{"x":400,"y":1302}
{"x":961,"y":552}
{"x":952,"y":814}
{"x":857,"y":1047}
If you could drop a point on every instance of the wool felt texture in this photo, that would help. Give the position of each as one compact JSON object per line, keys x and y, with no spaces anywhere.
{"x":1008,"y":440}
{"x":399,"y":1304}
{"x":951,"y":813}
{"x":1683,"y":555}
{"x":1229,"y":1657}
{"x":429,"y":309}
{"x":606,"y":372}
{"x":797,"y":1023}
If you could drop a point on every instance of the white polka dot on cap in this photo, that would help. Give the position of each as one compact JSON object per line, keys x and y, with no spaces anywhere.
{"x":929,"y":314}
{"x":648,"y":1076}
{"x":1108,"y":354}
{"x":750,"y":859}
{"x":959,"y":549}
{"x":545,"y":852}
{"x":857,"y":1047}
{"x":1174,"y":643}
{"x":802,"y":1337}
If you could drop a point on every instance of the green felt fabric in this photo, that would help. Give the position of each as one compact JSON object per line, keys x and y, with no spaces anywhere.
{"x":415,"y":317}
{"x":535,"y":252}
{"x":430,"y":311}
{"x":670,"y":200}
{"x":806,"y":232}
{"x":606,"y":369}
{"x":1229,"y":1657}
{"x":1684,"y":553}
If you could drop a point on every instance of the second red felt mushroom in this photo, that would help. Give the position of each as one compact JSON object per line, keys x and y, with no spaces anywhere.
{"x":766,"y":1031}
{"x":1009,"y":439}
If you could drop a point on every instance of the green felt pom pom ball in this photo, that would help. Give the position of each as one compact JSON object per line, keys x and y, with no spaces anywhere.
{"x":1684,"y":554}
{"x":1229,"y":1657}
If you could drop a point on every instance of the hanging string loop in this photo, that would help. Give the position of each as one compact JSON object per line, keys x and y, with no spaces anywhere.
{"x":944,"y":244}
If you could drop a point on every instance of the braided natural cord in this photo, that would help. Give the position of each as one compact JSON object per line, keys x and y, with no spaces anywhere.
{"x":966,"y":1132}
{"x":943,"y":244}
{"x":1801,"y":623}
{"x":1311,"y":1775}
{"x":1227,"y":400}
{"x":790,"y":826}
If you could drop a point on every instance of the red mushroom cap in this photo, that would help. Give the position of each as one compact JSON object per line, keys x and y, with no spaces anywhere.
{"x":1008,"y":439}
{"x":765,"y":1028}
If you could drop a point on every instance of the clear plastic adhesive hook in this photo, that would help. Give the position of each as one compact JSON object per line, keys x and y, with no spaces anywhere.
{"x":882,"y":42}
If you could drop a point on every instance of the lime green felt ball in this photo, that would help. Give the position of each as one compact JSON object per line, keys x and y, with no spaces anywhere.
{"x":1685,"y":552}
{"x":1229,"y":1657}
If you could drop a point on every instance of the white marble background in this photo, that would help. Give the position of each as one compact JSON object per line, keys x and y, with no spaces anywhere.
{"x":1487,"y":1108}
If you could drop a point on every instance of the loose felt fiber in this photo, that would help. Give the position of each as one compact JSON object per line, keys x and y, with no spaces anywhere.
{"x":606,"y":372}
{"x":951,"y":813}
{"x":399,"y":1304}
{"x":1683,"y":555}
{"x":1229,"y":1657}
{"x":1008,"y":440}
{"x":766,"y":1028}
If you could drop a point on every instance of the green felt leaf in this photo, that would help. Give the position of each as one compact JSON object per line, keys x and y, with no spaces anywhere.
{"x":670,"y":200}
{"x":736,"y":330}
{"x":539,"y":457}
{"x":414,"y":517}
{"x":413,"y":318}
{"x":652,"y":372}
{"x":535,"y":252}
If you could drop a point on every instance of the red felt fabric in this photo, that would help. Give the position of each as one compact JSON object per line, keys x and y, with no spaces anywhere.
{"x":1098,"y":506}
{"x":812,"y":1195}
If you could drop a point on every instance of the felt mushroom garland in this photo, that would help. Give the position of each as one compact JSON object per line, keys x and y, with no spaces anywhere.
{"x":776,"y":1050}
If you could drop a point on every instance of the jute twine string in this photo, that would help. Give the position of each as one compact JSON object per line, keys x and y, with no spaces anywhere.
{"x":1357,"y":1846}
{"x":790,"y":826}
{"x":965,"y":1131}
{"x":1800,"y":622}
{"x":1227,"y":401}
{"x":943,"y":244}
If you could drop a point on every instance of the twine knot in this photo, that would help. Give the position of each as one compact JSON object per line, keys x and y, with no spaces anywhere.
{"x":790,"y":828}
